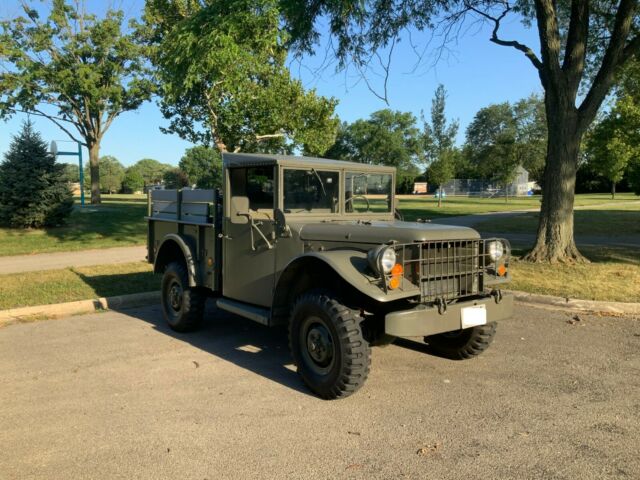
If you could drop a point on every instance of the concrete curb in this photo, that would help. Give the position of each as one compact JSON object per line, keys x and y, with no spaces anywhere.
{"x":575,"y":304}
{"x":26,"y":314}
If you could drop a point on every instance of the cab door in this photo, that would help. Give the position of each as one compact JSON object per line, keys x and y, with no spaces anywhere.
{"x":248,"y":240}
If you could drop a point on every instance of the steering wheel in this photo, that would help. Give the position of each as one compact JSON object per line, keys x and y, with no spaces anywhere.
{"x":366,"y":200}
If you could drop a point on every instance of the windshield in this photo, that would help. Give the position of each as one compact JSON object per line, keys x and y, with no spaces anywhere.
{"x":367,"y":192}
{"x":311,"y":190}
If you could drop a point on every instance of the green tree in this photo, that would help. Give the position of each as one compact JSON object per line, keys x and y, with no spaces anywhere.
{"x":439,"y":143}
{"x":492,"y":144}
{"x":132,"y":181}
{"x":203,"y":166}
{"x":112,"y":174}
{"x":221,"y":69}
{"x":74,"y":69}
{"x":151,"y":171}
{"x":387,"y":137}
{"x":439,"y":134}
{"x":33,"y":189}
{"x":612,"y":145}
{"x":441,"y":170}
{"x":71,"y":172}
{"x":531,"y":135}
{"x":583,"y":45}
{"x":175,"y":178}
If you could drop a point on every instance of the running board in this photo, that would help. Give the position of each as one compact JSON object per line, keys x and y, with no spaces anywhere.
{"x":257,"y":314}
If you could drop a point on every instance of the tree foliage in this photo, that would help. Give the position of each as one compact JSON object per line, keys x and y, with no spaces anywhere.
{"x":75,"y":69}
{"x":151,"y":171}
{"x":111,"y":175}
{"x":133,"y":181}
{"x":203,"y":166}
{"x":33,"y":189}
{"x":387,"y":137}
{"x":221,"y":68}
{"x":175,"y":178}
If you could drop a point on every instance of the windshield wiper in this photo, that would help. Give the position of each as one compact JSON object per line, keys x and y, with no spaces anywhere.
{"x":324,"y":192}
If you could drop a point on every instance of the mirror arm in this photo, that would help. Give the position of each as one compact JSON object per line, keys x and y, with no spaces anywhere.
{"x":254,"y":226}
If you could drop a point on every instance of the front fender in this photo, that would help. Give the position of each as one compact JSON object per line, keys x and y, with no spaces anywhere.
{"x":353,"y":267}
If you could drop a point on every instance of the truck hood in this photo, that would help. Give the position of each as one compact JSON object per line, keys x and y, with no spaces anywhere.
{"x":377,"y":232}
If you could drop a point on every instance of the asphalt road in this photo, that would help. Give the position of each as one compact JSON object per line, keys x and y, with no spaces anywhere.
{"x":117,"y":395}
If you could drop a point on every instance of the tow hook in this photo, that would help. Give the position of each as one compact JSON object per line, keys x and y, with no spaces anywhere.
{"x":441,"y":304}
{"x":497,"y":295}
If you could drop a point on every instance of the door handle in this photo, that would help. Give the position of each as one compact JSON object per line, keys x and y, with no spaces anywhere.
{"x":224,"y":237}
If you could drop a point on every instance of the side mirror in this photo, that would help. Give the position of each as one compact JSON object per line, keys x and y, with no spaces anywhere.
{"x":282,"y":229}
{"x":239,"y":210}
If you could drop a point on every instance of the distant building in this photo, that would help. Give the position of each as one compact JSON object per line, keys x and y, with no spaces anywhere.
{"x":420,"y":187}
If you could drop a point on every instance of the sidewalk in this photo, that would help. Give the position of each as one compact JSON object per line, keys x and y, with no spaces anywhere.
{"x":80,"y":258}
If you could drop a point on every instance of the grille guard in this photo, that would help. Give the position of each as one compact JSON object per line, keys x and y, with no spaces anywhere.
{"x":445,"y":270}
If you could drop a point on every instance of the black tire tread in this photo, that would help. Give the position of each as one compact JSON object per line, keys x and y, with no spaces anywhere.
{"x":476,"y":341}
{"x":357,"y":352}
{"x":193,"y":301}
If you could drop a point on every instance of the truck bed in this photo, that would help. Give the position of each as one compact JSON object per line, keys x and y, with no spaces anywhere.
{"x":194,"y":216}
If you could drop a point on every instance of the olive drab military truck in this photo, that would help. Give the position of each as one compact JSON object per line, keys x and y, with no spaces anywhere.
{"x":318,"y":245}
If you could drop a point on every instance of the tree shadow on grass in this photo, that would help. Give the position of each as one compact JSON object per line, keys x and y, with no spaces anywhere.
{"x":251,"y":346}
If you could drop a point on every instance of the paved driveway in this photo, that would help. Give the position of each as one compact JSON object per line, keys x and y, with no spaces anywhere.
{"x":117,"y":395}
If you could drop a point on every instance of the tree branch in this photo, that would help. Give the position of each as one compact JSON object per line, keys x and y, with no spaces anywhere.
{"x":549,"y":40}
{"x":54,"y":119}
{"x":576,"y":49}
{"x":530,"y":54}
{"x":615,"y":56}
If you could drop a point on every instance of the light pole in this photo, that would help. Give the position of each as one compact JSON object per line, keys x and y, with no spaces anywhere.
{"x":54,"y":150}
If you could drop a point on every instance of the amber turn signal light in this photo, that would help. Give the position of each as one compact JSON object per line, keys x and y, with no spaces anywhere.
{"x":502,"y":270}
{"x":396,"y":274}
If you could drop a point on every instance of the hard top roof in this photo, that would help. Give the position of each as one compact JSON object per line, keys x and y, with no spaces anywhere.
{"x":257,"y":159}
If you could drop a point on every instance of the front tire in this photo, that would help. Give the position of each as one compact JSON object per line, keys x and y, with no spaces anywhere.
{"x":182,"y":306}
{"x":462,"y":344}
{"x":327,"y":345}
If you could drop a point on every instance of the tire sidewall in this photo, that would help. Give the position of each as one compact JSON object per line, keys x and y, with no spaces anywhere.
{"x":171,"y":274}
{"x":321,"y":382}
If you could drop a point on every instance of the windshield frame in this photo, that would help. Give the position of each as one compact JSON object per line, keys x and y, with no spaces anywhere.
{"x":340,"y":213}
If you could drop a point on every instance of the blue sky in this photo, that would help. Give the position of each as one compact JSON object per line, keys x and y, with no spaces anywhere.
{"x":475,"y":74}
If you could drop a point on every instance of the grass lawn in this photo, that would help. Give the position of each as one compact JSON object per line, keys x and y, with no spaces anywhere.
{"x":70,"y":284}
{"x":604,"y":220}
{"x":613,"y":275}
{"x":426,"y":207}
{"x":118,"y":222}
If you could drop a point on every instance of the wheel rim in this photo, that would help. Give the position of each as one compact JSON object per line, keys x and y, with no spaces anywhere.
{"x":318,"y":347}
{"x":174,"y":296}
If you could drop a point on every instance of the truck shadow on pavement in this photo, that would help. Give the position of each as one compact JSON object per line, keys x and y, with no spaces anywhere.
{"x":249,"y":345}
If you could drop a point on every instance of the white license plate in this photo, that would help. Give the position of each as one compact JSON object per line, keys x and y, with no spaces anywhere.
{"x":472,"y":316}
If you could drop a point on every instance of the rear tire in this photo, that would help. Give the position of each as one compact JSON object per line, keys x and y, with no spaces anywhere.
{"x":462,"y":344}
{"x":182,"y":306}
{"x":327,"y":345}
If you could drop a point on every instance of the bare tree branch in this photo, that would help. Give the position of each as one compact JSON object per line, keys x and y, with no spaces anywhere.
{"x":529,"y":53}
{"x":54,"y":119}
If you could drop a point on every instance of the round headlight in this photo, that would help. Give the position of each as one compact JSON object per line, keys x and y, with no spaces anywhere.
{"x":387,"y":259}
{"x":495,"y":250}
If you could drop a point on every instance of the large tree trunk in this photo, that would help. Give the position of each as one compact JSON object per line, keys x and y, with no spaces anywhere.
{"x":613,"y":190}
{"x":555,"y":241}
{"x":94,"y":168}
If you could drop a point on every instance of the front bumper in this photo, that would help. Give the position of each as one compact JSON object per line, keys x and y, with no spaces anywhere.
{"x":423,"y":321}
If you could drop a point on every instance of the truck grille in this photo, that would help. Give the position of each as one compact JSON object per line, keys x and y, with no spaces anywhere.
{"x":446,"y":269}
